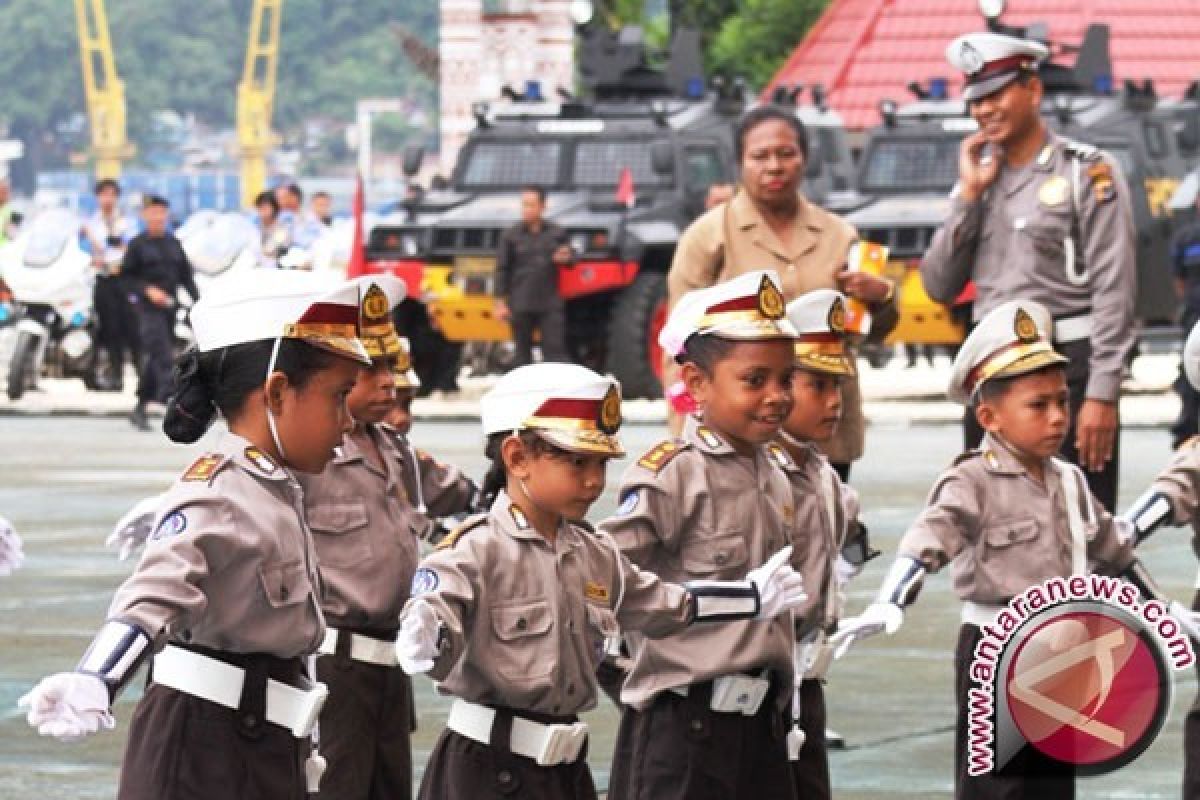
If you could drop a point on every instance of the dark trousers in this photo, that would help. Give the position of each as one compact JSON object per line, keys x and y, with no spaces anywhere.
{"x":156,"y":335}
{"x":183,"y":748}
{"x":551,"y":324}
{"x":366,"y":725}
{"x":810,"y":773}
{"x":1103,"y":483}
{"x":1030,"y":775}
{"x":1191,"y":738}
{"x":463,"y":769}
{"x":679,"y":749}
{"x":117,"y":328}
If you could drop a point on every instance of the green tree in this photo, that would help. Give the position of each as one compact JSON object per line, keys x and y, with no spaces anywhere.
{"x":756,"y":40}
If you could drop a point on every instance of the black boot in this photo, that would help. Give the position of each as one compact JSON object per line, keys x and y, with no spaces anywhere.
{"x":138,"y":417}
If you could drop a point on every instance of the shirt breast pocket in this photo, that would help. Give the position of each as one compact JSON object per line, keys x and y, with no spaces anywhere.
{"x":341,"y":533}
{"x":715,"y":556}
{"x":1051,"y":238}
{"x":1014,"y":557}
{"x":602,"y":626}
{"x":522,"y":636}
{"x":285,"y":584}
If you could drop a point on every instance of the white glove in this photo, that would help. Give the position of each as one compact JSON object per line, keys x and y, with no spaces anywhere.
{"x":875,"y":619}
{"x":417,"y":642}
{"x":68,"y":706}
{"x":780,"y":588}
{"x":133,"y":529}
{"x":11,"y":554}
{"x":1188,"y":620}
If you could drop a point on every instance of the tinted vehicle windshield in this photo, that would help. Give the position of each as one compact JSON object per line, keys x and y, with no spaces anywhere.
{"x":599,"y":163}
{"x":511,"y":164}
{"x":909,"y":164}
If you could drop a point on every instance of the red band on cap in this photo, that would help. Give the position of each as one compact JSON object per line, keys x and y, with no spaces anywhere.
{"x":820,"y":338}
{"x":994,"y":68}
{"x":747,"y":303}
{"x":569,"y":408}
{"x":330,"y":314}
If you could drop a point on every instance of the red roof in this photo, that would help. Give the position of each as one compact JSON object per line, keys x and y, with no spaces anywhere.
{"x":863,"y":51}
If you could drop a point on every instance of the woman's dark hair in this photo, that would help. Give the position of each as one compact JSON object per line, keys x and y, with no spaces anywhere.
{"x":267,"y":198}
{"x":755,"y":117}
{"x":219,"y":380}
{"x":496,"y":478}
{"x":705,"y":350}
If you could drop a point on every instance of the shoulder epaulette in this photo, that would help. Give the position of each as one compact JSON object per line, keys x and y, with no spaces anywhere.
{"x":204,"y":468}
{"x":661,"y":454}
{"x":967,"y":456}
{"x":468,"y":525}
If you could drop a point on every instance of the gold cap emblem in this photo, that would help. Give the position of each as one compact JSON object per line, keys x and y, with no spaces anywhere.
{"x":837,"y":316}
{"x":610,"y":411}
{"x":770,"y":300}
{"x":1024,"y":326}
{"x":375,"y":305}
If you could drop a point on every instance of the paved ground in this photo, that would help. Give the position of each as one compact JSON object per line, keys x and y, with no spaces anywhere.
{"x":64,"y":480}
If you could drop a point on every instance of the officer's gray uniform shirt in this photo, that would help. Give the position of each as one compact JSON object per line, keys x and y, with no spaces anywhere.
{"x":1058,"y":231}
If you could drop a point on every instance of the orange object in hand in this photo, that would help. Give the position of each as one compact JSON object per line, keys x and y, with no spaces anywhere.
{"x":865,"y":257}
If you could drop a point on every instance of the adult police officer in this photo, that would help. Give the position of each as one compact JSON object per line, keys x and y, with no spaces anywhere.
{"x":1039,"y":217}
{"x":1185,"y":269}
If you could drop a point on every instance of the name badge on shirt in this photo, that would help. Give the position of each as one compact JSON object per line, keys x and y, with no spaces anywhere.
{"x":1053,"y":192}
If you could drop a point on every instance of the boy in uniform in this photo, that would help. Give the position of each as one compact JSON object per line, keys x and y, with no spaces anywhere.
{"x":705,"y":707}
{"x":1010,"y":516}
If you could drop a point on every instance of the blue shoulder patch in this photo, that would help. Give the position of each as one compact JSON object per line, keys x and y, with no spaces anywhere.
{"x":172,"y":525}
{"x":424,"y":581}
{"x":629,"y":502}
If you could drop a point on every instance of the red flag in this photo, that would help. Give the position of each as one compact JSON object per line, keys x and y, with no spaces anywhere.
{"x":358,"y":255}
{"x":626,"y":195}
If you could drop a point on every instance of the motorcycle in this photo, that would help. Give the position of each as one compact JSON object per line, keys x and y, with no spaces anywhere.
{"x":50,"y":278}
{"x":216,"y":243}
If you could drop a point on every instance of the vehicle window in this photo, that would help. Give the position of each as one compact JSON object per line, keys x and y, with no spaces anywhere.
{"x":511,"y":164}
{"x":702,"y":168}
{"x":911,"y":164}
{"x":1156,"y":139}
{"x":598,"y":163}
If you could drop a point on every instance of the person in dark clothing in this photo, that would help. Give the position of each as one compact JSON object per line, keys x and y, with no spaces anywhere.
{"x":435,"y":358}
{"x":107,"y":232}
{"x":1185,"y":268}
{"x":154,"y":269}
{"x":527,"y":295}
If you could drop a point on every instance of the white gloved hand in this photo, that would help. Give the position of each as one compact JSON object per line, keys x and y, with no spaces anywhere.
{"x":875,"y":619}
{"x":68,"y":706}
{"x":780,"y":588}
{"x":417,"y":642}
{"x":1188,"y":620}
{"x":11,"y":554}
{"x":133,"y":529}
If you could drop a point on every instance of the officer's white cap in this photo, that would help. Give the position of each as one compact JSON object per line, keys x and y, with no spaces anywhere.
{"x":991,"y":61}
{"x":1191,"y":357}
{"x":1011,"y":340}
{"x":264,"y":304}
{"x":819,"y":318}
{"x":567,"y":405}
{"x":747,"y":307}
{"x":402,"y":370}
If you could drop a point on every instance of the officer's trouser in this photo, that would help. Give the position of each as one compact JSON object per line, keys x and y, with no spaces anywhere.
{"x":810,"y":772}
{"x":551,"y":323}
{"x":157,"y":338}
{"x":1191,"y":738}
{"x":1103,"y":483}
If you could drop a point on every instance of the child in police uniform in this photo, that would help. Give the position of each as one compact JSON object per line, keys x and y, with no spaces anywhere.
{"x":1010,"y":516}
{"x":705,"y":707}
{"x":367,"y":511}
{"x":510,"y":614}
{"x":831,"y":544}
{"x":226,"y":592}
{"x":1174,"y":499}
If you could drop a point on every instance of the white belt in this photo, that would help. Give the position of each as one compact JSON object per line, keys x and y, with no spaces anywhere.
{"x":548,"y":745}
{"x":979,"y":614}
{"x":362,"y":648}
{"x":734,"y":694}
{"x":214,"y":680}
{"x":1073,"y":329}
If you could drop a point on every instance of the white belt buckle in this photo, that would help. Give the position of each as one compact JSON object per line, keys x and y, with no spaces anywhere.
{"x":561,"y":744}
{"x":308,"y":710}
{"x":738,"y":693}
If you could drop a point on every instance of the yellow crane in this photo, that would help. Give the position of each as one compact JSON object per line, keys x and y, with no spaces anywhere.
{"x":256,"y":96}
{"x":103,"y":91}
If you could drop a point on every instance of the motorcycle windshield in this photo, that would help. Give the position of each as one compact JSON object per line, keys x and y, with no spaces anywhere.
{"x":215,"y":241}
{"x":48,"y":236}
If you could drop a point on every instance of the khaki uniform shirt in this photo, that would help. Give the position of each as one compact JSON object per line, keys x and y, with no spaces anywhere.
{"x":1053,"y":233}
{"x":526,"y":619}
{"x":1180,"y":483}
{"x":231,"y":564}
{"x":366,"y":526}
{"x":817,"y":537}
{"x":732,"y":238}
{"x":693,"y":509}
{"x":1004,"y":530}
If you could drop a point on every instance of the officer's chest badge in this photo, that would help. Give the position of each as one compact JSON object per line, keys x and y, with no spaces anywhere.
{"x":770,"y":299}
{"x":596,"y":592}
{"x":1024,"y":327}
{"x":1053,"y":192}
